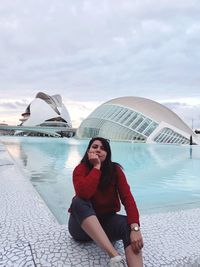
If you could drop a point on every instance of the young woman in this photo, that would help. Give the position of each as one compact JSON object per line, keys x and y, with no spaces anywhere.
{"x":100,"y":184}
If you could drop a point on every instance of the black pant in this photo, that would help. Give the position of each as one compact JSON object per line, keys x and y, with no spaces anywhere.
{"x":114,"y":225}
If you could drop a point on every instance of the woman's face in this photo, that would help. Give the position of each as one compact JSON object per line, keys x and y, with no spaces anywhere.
{"x":98,"y":149}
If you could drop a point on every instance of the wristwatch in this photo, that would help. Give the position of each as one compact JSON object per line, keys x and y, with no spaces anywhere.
{"x":135,"y":228}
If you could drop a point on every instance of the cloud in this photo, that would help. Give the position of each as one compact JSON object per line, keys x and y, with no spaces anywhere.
{"x":13,"y":104}
{"x":85,"y":46}
{"x":80,"y":110}
{"x":189,"y":113}
{"x":90,"y":50}
{"x":11,"y":110}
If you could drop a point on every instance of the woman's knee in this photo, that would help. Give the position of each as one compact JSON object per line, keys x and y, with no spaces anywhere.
{"x":76,"y":202}
{"x":125,"y":229}
{"x":79,"y":204}
{"x":81,"y":209}
{"x":125,"y":232}
{"x":76,"y":231}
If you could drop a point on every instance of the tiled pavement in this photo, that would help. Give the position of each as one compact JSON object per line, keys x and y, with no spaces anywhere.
{"x":30,"y":235}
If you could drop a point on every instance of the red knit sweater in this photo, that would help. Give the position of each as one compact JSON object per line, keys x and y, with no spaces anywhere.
{"x":86,"y":186}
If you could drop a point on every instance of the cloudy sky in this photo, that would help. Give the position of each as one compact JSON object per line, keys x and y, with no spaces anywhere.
{"x":90,"y":51}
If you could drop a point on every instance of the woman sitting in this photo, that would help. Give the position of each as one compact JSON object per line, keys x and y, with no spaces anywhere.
{"x":100,"y":184}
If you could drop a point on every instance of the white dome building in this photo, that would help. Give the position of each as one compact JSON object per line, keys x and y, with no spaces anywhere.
{"x":46,"y":111}
{"x":136,"y":119}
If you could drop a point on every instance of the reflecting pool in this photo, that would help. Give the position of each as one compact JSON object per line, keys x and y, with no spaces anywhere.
{"x":162,"y":177}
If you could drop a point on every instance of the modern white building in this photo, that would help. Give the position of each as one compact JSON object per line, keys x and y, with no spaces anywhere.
{"x":44,"y":112}
{"x":136,"y":119}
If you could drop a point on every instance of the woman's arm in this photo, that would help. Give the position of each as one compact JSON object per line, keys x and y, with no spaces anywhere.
{"x":131,"y":210}
{"x":85,"y":181}
{"x":127,"y":198}
{"x":136,"y":239}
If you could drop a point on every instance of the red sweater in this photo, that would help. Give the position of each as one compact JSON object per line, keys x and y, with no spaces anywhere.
{"x":86,"y":186}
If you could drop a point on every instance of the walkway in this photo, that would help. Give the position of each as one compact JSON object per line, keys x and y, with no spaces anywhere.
{"x":30,"y":235}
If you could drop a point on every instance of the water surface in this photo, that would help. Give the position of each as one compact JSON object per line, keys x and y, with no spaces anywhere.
{"x":162,"y":177}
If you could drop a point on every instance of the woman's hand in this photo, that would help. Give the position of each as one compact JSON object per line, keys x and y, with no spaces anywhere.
{"x":94,"y":160}
{"x":136,"y":241}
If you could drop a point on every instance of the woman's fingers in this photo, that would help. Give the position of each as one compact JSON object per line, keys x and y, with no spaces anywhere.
{"x":93,"y":158}
{"x":137,"y":245}
{"x":92,"y":155}
{"x":136,"y":248}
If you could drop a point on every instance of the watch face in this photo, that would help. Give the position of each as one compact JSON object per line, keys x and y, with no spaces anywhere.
{"x":136,"y":228}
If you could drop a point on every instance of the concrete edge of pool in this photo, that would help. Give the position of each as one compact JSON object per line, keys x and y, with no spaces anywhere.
{"x":31,"y":236}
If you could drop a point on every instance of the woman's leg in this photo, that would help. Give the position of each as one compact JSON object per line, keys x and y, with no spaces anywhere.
{"x":133,"y":260}
{"x":94,"y":229}
{"x":117,"y":228}
{"x":84,"y":215}
{"x":76,"y":231}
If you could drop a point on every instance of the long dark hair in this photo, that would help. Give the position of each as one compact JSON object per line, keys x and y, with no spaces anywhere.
{"x":108,"y":167}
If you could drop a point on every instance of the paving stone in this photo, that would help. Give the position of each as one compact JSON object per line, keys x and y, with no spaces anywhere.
{"x":31,"y":236}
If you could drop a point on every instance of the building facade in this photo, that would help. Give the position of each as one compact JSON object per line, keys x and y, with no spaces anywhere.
{"x":48,"y":115}
{"x":136,"y":119}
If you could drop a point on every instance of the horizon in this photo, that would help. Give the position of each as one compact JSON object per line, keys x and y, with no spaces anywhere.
{"x":78,"y":111}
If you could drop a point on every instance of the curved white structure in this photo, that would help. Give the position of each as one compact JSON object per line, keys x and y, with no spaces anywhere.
{"x":46,"y":111}
{"x":136,"y":119}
